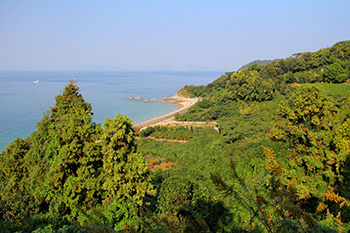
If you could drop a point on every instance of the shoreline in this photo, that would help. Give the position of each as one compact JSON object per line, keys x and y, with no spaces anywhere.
{"x":185,"y":104}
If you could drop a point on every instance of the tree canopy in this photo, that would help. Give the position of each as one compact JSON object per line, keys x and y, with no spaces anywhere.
{"x":278,"y":160}
{"x":72,"y":168}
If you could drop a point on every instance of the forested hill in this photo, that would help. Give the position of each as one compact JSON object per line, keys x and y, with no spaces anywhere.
{"x":258,"y":62}
{"x":278,"y":161}
{"x":285,"y":128}
{"x":260,"y":82}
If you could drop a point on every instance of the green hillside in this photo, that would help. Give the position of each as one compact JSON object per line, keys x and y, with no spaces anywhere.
{"x":286,"y":115}
{"x":265,"y":82}
{"x":278,"y":162}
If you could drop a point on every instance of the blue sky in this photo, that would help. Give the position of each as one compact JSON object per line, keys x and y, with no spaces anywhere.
{"x":107,"y":35}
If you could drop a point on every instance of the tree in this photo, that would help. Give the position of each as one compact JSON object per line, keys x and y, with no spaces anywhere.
{"x":272,"y":202}
{"x":307,"y":121}
{"x":73,"y":170}
{"x":14,"y":197}
{"x":125,"y":173}
{"x":342,"y":142}
{"x":74,"y":161}
{"x":335,"y":73}
{"x":188,"y":206}
{"x":249,"y":86}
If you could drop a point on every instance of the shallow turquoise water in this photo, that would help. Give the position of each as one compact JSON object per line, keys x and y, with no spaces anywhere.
{"x":22,"y":103}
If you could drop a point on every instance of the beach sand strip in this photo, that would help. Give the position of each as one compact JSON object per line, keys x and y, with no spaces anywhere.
{"x":168,"y":118}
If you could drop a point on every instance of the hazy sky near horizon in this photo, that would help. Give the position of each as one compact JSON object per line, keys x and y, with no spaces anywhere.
{"x":107,"y":35}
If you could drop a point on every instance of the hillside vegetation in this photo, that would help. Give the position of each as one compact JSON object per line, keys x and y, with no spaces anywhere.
{"x":279,"y":163}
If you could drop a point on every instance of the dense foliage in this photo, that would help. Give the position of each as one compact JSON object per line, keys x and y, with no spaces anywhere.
{"x":272,"y":105}
{"x":173,"y":132}
{"x":279,"y":163}
{"x":71,"y":170}
{"x":330,"y":65}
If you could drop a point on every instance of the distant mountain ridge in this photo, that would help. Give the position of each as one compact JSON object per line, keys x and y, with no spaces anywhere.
{"x":258,"y":62}
{"x":189,"y":67}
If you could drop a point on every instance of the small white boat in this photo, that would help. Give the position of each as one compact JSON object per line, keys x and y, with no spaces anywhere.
{"x":36,"y":81}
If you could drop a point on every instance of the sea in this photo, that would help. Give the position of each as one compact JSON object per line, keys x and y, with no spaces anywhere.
{"x":26,"y":96}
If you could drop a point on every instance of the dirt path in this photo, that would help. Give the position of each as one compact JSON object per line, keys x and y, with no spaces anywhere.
{"x":163,"y":139}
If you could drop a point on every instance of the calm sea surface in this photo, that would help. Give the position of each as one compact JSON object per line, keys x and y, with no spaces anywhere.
{"x":22,"y":102}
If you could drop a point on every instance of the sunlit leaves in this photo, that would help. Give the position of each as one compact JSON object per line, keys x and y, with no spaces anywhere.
{"x":247,"y":85}
{"x":307,"y":123}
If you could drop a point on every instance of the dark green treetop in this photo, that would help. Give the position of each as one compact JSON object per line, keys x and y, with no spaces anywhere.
{"x":72,"y":169}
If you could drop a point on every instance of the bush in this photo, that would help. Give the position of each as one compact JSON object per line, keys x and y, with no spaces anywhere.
{"x":335,"y":73}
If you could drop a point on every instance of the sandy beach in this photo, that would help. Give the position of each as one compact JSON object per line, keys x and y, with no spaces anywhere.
{"x":185,"y":103}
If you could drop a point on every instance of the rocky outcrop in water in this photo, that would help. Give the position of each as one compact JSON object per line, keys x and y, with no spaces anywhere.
{"x":137,"y":98}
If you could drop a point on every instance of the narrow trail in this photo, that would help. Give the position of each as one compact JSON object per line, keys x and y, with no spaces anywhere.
{"x":162,"y":139}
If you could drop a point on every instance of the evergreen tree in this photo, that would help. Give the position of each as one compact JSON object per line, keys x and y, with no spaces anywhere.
{"x":71,"y":181}
{"x":72,"y":169}
{"x":125,"y":174}
{"x":15,"y":201}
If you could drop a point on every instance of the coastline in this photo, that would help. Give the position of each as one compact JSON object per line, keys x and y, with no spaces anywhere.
{"x":185,"y":104}
{"x":107,"y":95}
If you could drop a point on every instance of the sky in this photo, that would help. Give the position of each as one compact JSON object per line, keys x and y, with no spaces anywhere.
{"x":135,"y":35}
